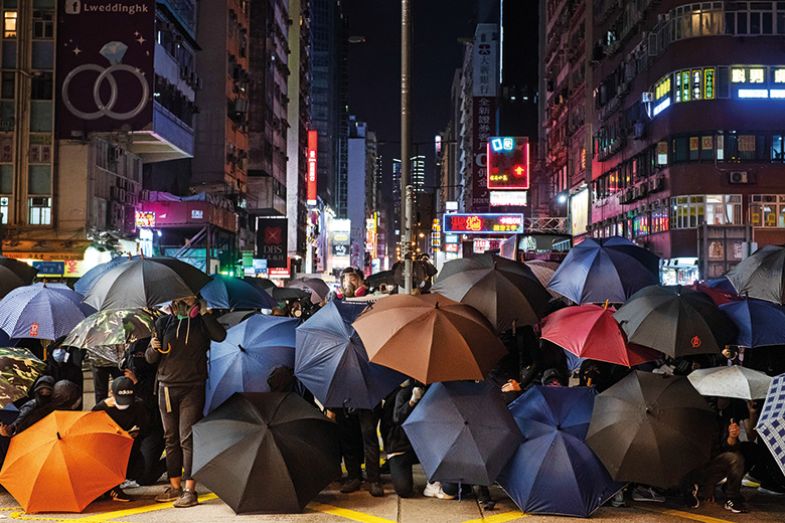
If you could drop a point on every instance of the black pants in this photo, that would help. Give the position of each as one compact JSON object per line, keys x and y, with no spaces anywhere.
{"x":401,"y":473}
{"x":360,"y":442}
{"x":151,"y":448}
{"x":181,"y":406}
{"x":101,"y":378}
{"x":729,"y":465}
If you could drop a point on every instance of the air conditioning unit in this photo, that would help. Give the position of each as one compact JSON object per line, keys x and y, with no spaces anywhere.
{"x":738,"y":177}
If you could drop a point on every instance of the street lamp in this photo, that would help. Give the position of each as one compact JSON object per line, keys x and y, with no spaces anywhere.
{"x":406,"y":189}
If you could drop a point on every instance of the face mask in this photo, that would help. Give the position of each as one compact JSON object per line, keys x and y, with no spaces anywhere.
{"x":121,"y":407}
{"x":43,"y":398}
{"x":60,"y":355}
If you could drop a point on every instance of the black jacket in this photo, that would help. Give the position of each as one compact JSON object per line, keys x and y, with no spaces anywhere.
{"x":134,"y":416}
{"x":184,"y":345}
{"x":397,"y":441}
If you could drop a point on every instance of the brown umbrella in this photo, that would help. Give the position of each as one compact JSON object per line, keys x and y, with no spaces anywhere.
{"x":543,"y":270}
{"x":430,"y":338}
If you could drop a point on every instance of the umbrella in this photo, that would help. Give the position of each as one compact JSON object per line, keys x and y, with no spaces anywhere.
{"x":264,"y":284}
{"x":18,"y":371}
{"x":651,"y":429}
{"x":144,"y":283}
{"x":332,"y":363}
{"x":289,"y":293}
{"x":760,"y":323}
{"x":596,"y":271}
{"x":266,"y":453}
{"x":771,"y":423}
{"x":419,"y":273}
{"x":429,"y":338}
{"x":554,"y":471}
{"x":374,"y":281}
{"x":543,"y":271}
{"x":731,"y":382}
{"x":13,"y":274}
{"x":761,"y":275}
{"x":462,"y":432}
{"x":677,"y":321}
{"x":42,"y":311}
{"x":88,"y":279}
{"x":590,"y":332}
{"x":717,"y":293}
{"x":112,"y":327}
{"x":316,"y":287}
{"x":224,"y":292}
{"x":506,"y":292}
{"x":245,"y":359}
{"x":65,"y":461}
{"x":230,"y":319}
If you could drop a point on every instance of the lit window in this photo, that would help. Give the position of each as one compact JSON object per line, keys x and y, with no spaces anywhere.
{"x":697,"y":90}
{"x":4,"y":209}
{"x":9,"y":24}
{"x":757,"y":75}
{"x":39,"y":211}
{"x":685,"y":86}
{"x":779,"y":75}
{"x":662,"y":153}
{"x":720,"y":147}
{"x":708,"y":83}
{"x":663,"y":88}
{"x":738,"y":75}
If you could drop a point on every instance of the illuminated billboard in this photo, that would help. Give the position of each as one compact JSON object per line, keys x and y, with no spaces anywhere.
{"x":508,"y":162}
{"x":483,"y":223}
{"x":313,"y":142}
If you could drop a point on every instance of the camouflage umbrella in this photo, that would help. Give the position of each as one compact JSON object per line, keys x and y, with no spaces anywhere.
{"x":18,"y":371}
{"x":106,"y":333}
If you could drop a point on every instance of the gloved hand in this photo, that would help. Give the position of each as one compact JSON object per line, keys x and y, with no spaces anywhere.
{"x":417,"y":393}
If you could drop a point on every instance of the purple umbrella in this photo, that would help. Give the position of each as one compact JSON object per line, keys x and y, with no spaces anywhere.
{"x":42,"y":311}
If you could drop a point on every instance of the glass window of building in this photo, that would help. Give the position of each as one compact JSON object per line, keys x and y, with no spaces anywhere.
{"x":662,"y":153}
{"x":7,"y":85}
{"x":39,"y":211}
{"x":776,"y":148}
{"x":747,"y":146}
{"x":720,"y":147}
{"x":9,"y":24}
{"x":4,"y":209}
{"x":708,"y":83}
{"x":685,"y":86}
{"x":43,"y":23}
{"x":697,"y":84}
{"x":767,"y":210}
{"x":778,"y":75}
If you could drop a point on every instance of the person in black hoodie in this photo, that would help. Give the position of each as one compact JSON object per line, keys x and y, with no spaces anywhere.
{"x":48,"y":397}
{"x":400,"y":454}
{"x":180,"y":347}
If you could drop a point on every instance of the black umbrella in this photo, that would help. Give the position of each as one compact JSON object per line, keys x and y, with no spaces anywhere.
{"x":761,"y":275}
{"x":290,"y":293}
{"x":652,"y":429}
{"x":266,"y":453}
{"x":374,"y":281}
{"x":13,"y":274}
{"x":677,"y":321}
{"x":144,"y":283}
{"x":264,"y":284}
{"x":506,"y":292}
{"x":230,"y":319}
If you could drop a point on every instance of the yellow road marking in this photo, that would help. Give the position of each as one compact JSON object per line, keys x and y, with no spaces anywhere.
{"x":347,"y":513}
{"x":107,"y":516}
{"x":684,"y":515}
{"x":499,"y":518}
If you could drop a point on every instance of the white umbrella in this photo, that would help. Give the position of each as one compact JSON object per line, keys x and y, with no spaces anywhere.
{"x":731,"y":382}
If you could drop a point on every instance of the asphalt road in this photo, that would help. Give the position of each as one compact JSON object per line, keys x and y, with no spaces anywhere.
{"x":331,"y":506}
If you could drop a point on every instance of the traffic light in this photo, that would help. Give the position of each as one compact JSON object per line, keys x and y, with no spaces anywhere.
{"x":508,"y":163}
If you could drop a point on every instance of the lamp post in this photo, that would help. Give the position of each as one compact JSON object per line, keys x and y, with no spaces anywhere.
{"x":406,"y":189}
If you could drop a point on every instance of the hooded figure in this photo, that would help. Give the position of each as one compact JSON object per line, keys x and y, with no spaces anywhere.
{"x":47,"y":397}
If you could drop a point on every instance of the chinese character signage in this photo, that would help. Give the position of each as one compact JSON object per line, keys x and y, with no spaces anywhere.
{"x":508,"y":162}
{"x":313,"y":143}
{"x":485,"y":77}
{"x":271,"y":240}
{"x":145,"y":219}
{"x":483,"y":223}
{"x":484,"y":111}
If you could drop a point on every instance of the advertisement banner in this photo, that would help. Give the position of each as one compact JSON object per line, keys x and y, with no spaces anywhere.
{"x":272,"y":240}
{"x":104,"y":66}
{"x":484,"y":110}
{"x":485,"y":75}
{"x":508,"y":162}
{"x":313,"y":145}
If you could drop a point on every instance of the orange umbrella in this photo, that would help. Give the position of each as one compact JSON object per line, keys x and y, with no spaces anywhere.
{"x":65,"y":461}
{"x":430,"y":338}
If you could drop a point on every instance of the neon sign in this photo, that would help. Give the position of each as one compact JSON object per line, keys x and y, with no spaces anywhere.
{"x":458,"y":223}
{"x":313,"y":142}
{"x":508,"y":162}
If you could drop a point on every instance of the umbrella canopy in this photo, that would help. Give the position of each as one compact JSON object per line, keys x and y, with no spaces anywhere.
{"x":554,"y":471}
{"x":230,"y":319}
{"x":771,"y":423}
{"x":42,"y":311}
{"x":88,"y":279}
{"x":144,"y":283}
{"x":613,"y":269}
{"x":332,"y":363}
{"x":543,"y":271}
{"x":245,"y":359}
{"x":590,"y":332}
{"x":112,"y":327}
{"x":265,"y":284}
{"x":374,"y":281}
{"x":760,"y":323}
{"x":18,"y":371}
{"x":462,"y":432}
{"x":714,"y":290}
{"x":280,"y":294}
{"x":731,"y":382}
{"x":761,"y":275}
{"x":677,"y":321}
{"x":13,"y":274}
{"x":506,"y":292}
{"x":314,"y":286}
{"x":651,"y":429}
{"x":266,"y":453}
{"x":65,"y":461}
{"x":430,"y":338}
{"x":224,"y":292}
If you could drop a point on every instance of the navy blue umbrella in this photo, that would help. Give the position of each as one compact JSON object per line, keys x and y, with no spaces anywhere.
{"x":88,"y":279}
{"x":760,"y":323}
{"x":332,"y":363}
{"x":42,"y":311}
{"x":245,"y":359}
{"x":224,"y":292}
{"x":612,"y":269}
{"x":462,"y":432}
{"x":554,"y":471}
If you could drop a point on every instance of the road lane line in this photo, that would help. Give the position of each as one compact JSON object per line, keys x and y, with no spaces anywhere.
{"x":499,"y":518}
{"x":105,"y":517}
{"x":347,"y":513}
{"x":684,"y":515}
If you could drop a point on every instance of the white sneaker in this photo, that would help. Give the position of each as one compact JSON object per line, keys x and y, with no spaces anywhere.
{"x":434,"y":490}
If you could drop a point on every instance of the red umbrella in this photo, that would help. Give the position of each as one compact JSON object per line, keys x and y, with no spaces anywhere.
{"x":717,"y":295}
{"x":589,"y":331}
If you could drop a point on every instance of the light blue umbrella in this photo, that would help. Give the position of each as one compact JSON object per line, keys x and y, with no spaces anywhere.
{"x":88,"y":279}
{"x":225,"y":292}
{"x":42,"y":311}
{"x":245,"y":359}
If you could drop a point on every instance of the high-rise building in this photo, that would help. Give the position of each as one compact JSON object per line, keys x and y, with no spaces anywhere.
{"x":417,"y":173}
{"x":396,"y":198}
{"x":362,"y":148}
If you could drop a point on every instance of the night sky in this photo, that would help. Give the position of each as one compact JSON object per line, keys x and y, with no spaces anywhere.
{"x":374,"y":66}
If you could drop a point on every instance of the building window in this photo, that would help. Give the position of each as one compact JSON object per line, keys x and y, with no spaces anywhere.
{"x":43,"y":24}
{"x":723,"y":209}
{"x":4,"y":209}
{"x":9,"y":24}
{"x":41,"y":86}
{"x":697,"y":84}
{"x":662,"y":153}
{"x":720,"y":147}
{"x":39,"y":210}
{"x":663,"y":88}
{"x":40,"y":180}
{"x":689,"y":212}
{"x":747,"y":147}
{"x":708,"y":83}
{"x":767,"y":210}
{"x":778,"y":74}
{"x":777,"y":148}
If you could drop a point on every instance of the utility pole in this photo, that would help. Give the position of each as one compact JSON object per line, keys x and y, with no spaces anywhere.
{"x":406,"y":189}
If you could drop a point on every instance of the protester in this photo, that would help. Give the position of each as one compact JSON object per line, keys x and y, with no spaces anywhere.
{"x":400,"y":454}
{"x":65,"y":363}
{"x":352,"y":284}
{"x":357,"y":429}
{"x":47,"y":398}
{"x":180,"y":346}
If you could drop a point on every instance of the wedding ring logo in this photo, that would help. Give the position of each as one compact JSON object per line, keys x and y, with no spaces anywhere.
{"x":106,"y":75}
